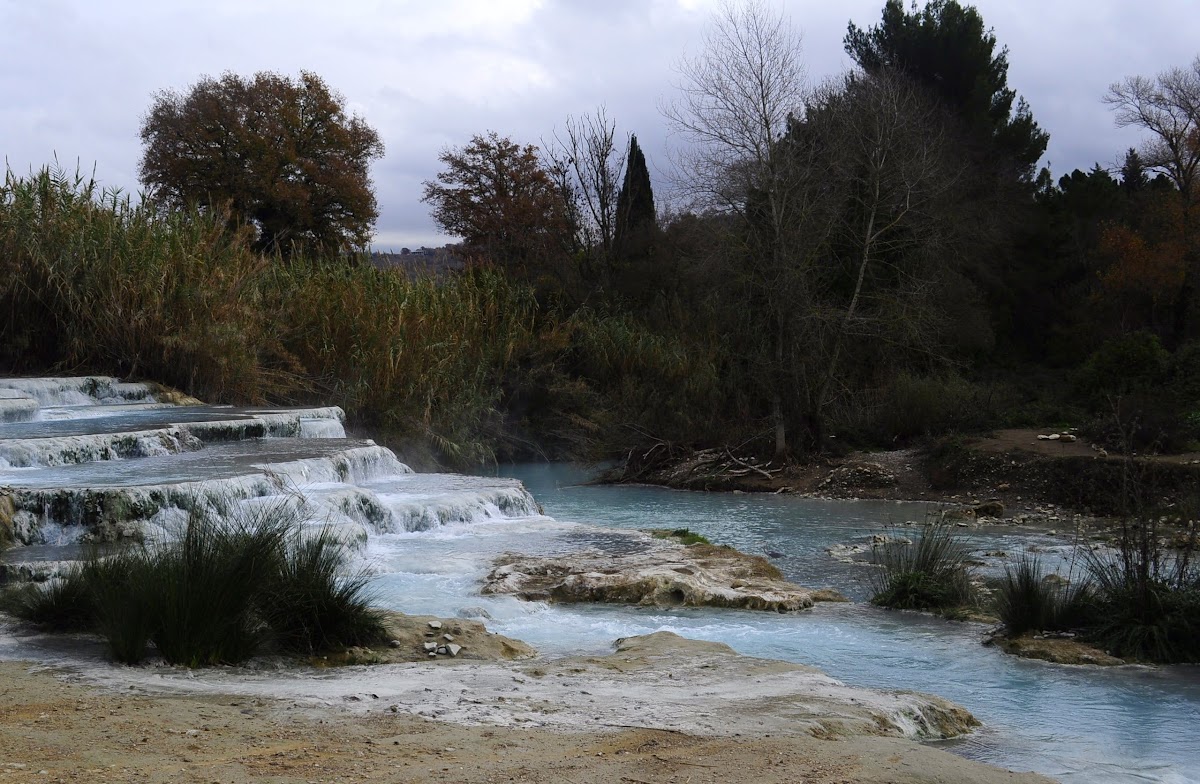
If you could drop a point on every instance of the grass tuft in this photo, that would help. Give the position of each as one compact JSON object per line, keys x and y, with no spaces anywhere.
{"x":1027,"y":601}
{"x":1150,"y":614}
{"x":220,"y":592}
{"x":929,"y":574}
{"x":312,"y":604}
{"x":683,"y":535}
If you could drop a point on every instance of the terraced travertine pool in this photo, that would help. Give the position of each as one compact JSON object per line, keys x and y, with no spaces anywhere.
{"x":429,"y":538}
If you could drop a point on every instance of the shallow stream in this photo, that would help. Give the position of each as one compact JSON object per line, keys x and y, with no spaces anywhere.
{"x":1077,"y":724}
{"x":430,"y":539}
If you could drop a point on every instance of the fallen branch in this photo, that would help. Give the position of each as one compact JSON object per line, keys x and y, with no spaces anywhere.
{"x":641,"y":727}
{"x":743,"y":463}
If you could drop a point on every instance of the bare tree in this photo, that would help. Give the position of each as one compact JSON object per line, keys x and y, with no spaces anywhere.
{"x":735,"y":99}
{"x":1168,"y":106}
{"x":840,"y":200}
{"x":591,"y":155}
{"x":735,"y":102}
{"x":895,"y":234}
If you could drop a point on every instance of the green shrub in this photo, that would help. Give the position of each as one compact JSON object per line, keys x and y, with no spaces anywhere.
{"x":913,"y":405}
{"x":1028,"y":601}
{"x":1132,"y":363}
{"x":1153,"y":422}
{"x":946,"y":460}
{"x":929,"y":574}
{"x":1185,"y":372}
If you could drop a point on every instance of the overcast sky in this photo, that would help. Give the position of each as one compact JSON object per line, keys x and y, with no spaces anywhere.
{"x":77,"y":75}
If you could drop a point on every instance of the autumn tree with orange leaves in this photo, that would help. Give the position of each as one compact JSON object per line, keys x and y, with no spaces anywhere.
{"x":499,"y":197}
{"x":281,"y":156}
{"x":1146,"y":266}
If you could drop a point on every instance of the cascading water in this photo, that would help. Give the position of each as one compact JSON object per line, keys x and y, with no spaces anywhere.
{"x":429,"y":539}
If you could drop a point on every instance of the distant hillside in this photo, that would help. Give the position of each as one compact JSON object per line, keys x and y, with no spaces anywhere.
{"x":437,"y":261}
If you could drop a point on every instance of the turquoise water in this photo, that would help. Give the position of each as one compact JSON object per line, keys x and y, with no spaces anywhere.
{"x":1077,"y":724}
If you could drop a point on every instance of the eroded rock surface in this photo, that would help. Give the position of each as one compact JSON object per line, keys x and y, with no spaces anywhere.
{"x":724,"y":692}
{"x":410,"y":636}
{"x":1059,"y":650}
{"x":663,"y":574}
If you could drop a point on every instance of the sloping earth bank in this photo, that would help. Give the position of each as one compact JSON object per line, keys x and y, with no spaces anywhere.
{"x":1013,"y":466}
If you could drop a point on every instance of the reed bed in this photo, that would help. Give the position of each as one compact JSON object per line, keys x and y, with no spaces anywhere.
{"x":460,"y":368}
{"x":92,"y":280}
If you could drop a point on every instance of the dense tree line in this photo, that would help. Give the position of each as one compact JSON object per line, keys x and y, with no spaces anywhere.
{"x":878,"y":257}
{"x":865,"y":261}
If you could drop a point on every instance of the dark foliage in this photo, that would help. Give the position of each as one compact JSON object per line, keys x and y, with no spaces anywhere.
{"x":280,"y":155}
{"x":946,"y":47}
{"x":636,"y":218}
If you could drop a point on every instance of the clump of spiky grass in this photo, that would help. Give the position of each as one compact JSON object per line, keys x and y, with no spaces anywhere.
{"x":220,"y":592}
{"x":312,"y":603}
{"x":205,"y":589}
{"x":1147,"y":609}
{"x":1030,"y":600}
{"x":929,"y":574}
{"x":63,"y":604}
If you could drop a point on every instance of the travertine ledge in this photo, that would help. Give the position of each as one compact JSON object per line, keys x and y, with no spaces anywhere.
{"x":657,"y":572}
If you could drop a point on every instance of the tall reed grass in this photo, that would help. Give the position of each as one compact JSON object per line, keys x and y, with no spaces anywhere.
{"x":461,"y":367}
{"x":92,"y":280}
{"x":89,"y":279}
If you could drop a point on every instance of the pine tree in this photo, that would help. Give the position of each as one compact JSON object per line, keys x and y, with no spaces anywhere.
{"x":1133,"y":173}
{"x":946,"y":47}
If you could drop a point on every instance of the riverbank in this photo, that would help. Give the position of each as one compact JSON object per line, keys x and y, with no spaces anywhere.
{"x":104,"y":723}
{"x":1034,"y":477}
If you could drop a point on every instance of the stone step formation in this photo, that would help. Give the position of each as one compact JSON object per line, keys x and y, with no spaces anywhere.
{"x":97,"y":460}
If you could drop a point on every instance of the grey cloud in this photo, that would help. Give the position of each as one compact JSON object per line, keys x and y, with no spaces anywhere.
{"x":428,"y":75}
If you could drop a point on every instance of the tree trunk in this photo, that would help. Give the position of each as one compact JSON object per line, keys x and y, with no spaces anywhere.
{"x":780,"y":426}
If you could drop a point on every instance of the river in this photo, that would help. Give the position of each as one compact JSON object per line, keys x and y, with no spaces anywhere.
{"x":1077,"y":724}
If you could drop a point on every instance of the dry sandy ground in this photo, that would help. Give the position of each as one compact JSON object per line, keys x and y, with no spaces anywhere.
{"x":55,"y":731}
{"x":116,"y":724}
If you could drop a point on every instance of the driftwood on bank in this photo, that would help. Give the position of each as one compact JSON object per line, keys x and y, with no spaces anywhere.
{"x":685,"y":467}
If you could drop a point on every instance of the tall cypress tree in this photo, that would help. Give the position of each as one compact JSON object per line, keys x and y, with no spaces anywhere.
{"x":636,"y":220}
